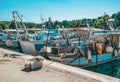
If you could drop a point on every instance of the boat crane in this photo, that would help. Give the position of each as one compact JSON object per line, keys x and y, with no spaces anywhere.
{"x":15,"y":13}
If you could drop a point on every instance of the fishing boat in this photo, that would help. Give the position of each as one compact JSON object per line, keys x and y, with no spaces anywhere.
{"x":64,"y":51}
{"x":102,"y":47}
{"x":3,"y":38}
{"x":15,"y":34}
{"x":13,"y":40}
{"x":35,"y":42}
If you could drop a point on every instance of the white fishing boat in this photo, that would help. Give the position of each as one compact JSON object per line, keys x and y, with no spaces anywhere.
{"x":31,"y":47}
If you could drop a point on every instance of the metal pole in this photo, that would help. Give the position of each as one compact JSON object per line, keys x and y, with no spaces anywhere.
{"x":79,"y":55}
{"x":22,"y":24}
{"x":16,"y":25}
{"x":96,"y":59}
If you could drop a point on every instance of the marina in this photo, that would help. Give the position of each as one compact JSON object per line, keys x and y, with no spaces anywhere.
{"x":82,"y":62}
{"x":60,"y":41}
{"x":79,"y":47}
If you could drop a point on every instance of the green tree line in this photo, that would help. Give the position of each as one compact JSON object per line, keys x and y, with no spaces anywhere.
{"x":100,"y":22}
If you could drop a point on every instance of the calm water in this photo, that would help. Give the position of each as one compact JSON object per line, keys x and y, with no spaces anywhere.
{"x":111,"y":68}
{"x":14,"y":49}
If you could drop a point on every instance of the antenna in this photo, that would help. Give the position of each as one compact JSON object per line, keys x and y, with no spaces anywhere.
{"x":41,"y":20}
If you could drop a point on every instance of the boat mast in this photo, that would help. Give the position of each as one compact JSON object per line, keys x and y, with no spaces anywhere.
{"x":42,"y":22}
{"x":89,"y":31}
{"x":49,"y":26}
{"x":65,"y":36}
{"x":59,"y":41}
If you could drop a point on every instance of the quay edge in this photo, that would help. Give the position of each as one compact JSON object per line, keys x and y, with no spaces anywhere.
{"x":71,"y":70}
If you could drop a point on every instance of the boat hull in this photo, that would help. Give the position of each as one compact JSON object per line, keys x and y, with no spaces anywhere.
{"x":103,"y":58}
{"x":32,"y":48}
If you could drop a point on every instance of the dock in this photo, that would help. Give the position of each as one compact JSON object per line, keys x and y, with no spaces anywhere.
{"x":12,"y":70}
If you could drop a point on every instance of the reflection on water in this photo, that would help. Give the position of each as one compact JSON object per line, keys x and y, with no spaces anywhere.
{"x":111,"y":68}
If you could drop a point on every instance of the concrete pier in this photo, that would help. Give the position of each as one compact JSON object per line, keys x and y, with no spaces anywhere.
{"x":12,"y":70}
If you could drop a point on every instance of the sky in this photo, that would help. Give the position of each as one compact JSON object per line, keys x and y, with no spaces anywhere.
{"x":31,"y":10}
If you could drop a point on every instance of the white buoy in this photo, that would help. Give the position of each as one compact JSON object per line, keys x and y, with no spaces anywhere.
{"x":109,"y":49}
{"x":89,"y":55}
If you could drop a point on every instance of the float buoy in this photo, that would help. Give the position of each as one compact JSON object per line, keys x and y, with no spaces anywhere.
{"x":109,"y":49}
{"x":89,"y":55}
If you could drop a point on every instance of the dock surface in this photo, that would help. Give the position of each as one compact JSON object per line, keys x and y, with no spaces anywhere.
{"x":12,"y":70}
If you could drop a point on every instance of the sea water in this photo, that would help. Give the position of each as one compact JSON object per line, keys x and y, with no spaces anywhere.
{"x":14,"y":49}
{"x":110,"y":68}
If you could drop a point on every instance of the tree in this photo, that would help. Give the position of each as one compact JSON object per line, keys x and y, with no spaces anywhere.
{"x":56,"y":24}
{"x":12,"y":25}
{"x":30,"y":25}
{"x":3,"y":25}
{"x":96,"y":23}
{"x":116,"y":23}
{"x":66,"y":23}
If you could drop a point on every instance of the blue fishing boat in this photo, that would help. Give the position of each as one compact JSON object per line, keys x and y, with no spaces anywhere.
{"x":102,"y":47}
{"x":35,"y":42}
